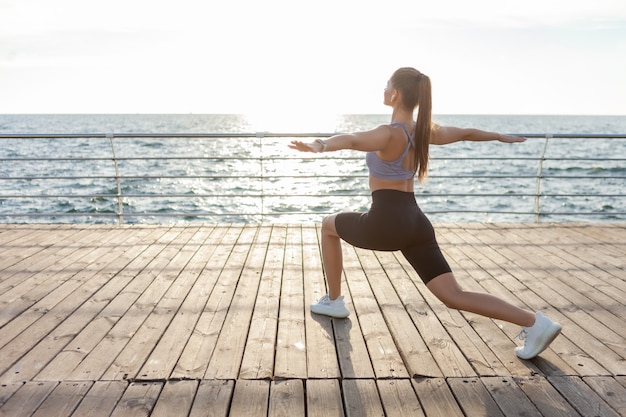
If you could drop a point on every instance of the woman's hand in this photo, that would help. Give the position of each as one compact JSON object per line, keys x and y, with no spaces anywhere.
{"x":306,"y":147}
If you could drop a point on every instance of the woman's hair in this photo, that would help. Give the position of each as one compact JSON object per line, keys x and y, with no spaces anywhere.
{"x":415,"y":90}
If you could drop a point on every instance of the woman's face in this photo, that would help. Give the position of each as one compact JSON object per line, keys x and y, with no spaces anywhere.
{"x":389,"y":93}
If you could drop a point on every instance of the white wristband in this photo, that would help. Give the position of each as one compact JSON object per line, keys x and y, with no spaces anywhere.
{"x":323,"y":143}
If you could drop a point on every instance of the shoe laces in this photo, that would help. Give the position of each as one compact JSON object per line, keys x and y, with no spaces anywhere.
{"x":324,"y":300}
{"x":522,"y":335}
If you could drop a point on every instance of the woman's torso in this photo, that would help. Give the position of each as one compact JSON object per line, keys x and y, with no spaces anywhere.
{"x":387,"y":170}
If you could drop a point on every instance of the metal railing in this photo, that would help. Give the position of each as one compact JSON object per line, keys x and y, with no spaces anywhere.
{"x":143,"y":177}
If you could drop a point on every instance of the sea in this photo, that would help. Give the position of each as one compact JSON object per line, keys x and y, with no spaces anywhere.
{"x":257,"y":178}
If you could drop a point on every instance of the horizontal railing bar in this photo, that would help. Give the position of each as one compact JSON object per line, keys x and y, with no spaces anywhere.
{"x":426,"y":195}
{"x":57,"y":214}
{"x":285,"y":158}
{"x":260,"y":135}
{"x":264,"y":177}
{"x":257,"y":135}
{"x":290,"y":213}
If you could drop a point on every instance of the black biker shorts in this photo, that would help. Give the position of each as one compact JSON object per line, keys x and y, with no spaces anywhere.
{"x":395,"y":222}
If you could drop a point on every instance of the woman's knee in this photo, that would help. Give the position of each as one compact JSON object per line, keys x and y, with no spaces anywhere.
{"x":328,"y":225}
{"x":452,"y":300}
{"x":447,"y":290}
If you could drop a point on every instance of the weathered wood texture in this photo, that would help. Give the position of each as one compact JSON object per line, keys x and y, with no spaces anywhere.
{"x":213,"y":320}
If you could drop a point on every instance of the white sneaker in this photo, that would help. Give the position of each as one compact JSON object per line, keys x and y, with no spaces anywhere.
{"x":538,"y":337}
{"x":333,"y":308}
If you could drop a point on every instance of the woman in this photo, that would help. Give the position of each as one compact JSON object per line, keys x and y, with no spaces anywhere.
{"x":396,"y":153}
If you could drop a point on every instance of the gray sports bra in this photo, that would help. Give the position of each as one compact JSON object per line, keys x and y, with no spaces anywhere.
{"x":390,"y":170}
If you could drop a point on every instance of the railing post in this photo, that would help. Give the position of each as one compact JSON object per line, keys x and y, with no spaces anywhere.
{"x":539,"y":177}
{"x":260,"y":136}
{"x":120,"y":206}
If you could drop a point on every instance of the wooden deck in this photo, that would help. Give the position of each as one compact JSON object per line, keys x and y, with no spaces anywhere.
{"x":213,"y":320}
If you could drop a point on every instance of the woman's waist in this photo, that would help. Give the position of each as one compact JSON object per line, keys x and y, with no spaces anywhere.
{"x":396,"y":185}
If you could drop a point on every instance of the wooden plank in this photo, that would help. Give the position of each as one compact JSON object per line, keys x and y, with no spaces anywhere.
{"x":609,"y":272}
{"x":569,"y":274}
{"x":321,"y":351}
{"x":436,"y":397}
{"x":68,"y":312}
{"x":226,"y":360}
{"x":101,"y":399}
{"x":205,"y":275}
{"x":221,"y":277}
{"x":580,"y":395}
{"x":460,"y":328}
{"x":35,"y":312}
{"x":610,"y":390}
{"x":473,"y":397}
{"x":95,"y":317}
{"x":25,"y":260}
{"x":176,"y":399}
{"x":579,"y":252}
{"x":251,"y":398}
{"x":361,"y":398}
{"x":584,"y":304}
{"x":479,"y":355}
{"x":19,"y":243}
{"x":116,"y":324}
{"x":589,"y":352}
{"x":261,"y":344}
{"x":510,"y":398}
{"x":287,"y":399}
{"x":349,"y":344}
{"x":291,"y":353}
{"x":605,"y":256}
{"x":138,"y":399}
{"x":52,"y":278}
{"x":27,"y":399}
{"x":132,"y":306}
{"x":163,"y":359}
{"x":552,"y":245}
{"x":529,"y":266}
{"x":417,"y":357}
{"x":479,"y":338}
{"x":63,"y":400}
{"x":58,"y":249}
{"x":160,"y":309}
{"x":488,"y":265}
{"x":323,"y":398}
{"x":399,"y":398}
{"x":427,"y":349}
{"x":7,"y":391}
{"x":386,"y":360}
{"x":213,"y":398}
{"x":547,"y":399}
{"x":16,"y":233}
{"x":352,"y":351}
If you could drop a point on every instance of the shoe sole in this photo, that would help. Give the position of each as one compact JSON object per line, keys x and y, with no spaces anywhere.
{"x":548,"y":338}
{"x":329,"y":314}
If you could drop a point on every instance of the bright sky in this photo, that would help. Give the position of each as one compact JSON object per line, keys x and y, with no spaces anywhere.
{"x":302,"y":59}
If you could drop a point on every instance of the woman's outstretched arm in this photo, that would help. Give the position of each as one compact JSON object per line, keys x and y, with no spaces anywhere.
{"x":443,"y":135}
{"x":368,"y":141}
